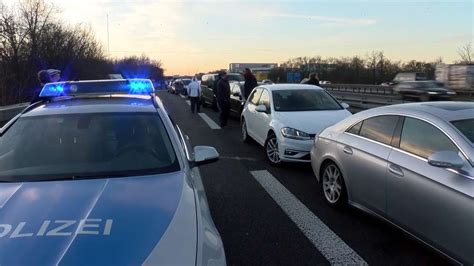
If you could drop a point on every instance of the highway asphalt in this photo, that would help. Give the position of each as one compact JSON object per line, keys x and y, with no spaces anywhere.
{"x":277,"y":216}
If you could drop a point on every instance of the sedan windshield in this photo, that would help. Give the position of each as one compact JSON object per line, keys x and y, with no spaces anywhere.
{"x":303,"y":100}
{"x":186,"y":81}
{"x":235,"y":77}
{"x":466,"y":127}
{"x":85,"y":146}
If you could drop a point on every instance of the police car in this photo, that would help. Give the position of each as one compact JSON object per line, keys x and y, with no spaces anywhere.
{"x":96,"y":173}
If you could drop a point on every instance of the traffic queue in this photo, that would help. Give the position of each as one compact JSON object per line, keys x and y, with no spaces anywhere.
{"x":392,"y":162}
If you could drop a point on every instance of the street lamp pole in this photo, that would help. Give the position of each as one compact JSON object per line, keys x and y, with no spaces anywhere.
{"x":108,"y":37}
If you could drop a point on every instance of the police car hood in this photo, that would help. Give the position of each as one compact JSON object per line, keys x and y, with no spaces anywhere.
{"x":115,"y":221}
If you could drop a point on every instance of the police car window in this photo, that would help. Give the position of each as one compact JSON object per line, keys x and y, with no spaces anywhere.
{"x":85,"y":146}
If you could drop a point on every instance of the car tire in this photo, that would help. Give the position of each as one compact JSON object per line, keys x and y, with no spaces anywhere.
{"x":244,"y":133}
{"x":271,"y":150}
{"x":333,"y":186}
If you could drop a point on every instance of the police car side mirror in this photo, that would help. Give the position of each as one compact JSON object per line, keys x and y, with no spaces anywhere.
{"x":204,"y":155}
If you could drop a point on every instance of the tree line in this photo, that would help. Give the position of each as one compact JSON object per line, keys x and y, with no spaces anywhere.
{"x":375,"y":68}
{"x":32,"y":38}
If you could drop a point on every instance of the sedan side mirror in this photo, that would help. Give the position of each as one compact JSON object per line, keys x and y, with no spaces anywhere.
{"x":345,"y":105}
{"x":204,"y":155}
{"x":261,"y":109}
{"x":446,"y":159}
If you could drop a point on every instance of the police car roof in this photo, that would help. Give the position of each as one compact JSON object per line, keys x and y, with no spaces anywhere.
{"x":105,"y":104}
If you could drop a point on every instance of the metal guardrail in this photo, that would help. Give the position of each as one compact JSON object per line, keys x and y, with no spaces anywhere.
{"x":359,"y":96}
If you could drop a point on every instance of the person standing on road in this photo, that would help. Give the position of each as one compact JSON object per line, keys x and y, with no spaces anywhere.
{"x":194,"y":93}
{"x":223,"y":99}
{"x":250,"y":82}
{"x":313,"y":79}
{"x":214,"y":90}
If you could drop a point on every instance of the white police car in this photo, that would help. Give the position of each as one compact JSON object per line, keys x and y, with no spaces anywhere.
{"x":97,"y":174}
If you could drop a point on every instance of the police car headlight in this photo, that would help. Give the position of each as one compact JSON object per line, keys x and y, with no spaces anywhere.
{"x":292,"y":133}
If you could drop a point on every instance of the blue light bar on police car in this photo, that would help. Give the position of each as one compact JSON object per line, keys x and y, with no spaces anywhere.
{"x":71,"y":88}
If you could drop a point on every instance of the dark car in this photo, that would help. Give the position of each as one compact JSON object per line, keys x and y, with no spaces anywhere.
{"x":237,"y":98}
{"x":207,"y":84}
{"x":408,"y":76}
{"x":423,"y":90}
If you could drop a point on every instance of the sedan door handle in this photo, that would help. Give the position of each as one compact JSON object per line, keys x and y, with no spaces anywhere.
{"x":348,"y":150}
{"x":396,"y":170}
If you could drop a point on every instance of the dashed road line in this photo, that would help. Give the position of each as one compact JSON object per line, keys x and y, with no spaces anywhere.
{"x":182,"y":96}
{"x":209,"y":121}
{"x":333,"y":248}
{"x":188,"y":102}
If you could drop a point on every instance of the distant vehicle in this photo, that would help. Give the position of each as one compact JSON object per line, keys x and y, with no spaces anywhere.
{"x":423,"y":90}
{"x":456,"y":77}
{"x":184,"y":89}
{"x":179,"y":86}
{"x":409,"y":76}
{"x":110,"y":176}
{"x":325,"y":82}
{"x":285,"y":118}
{"x":410,"y":164}
{"x":267,"y":81}
{"x":208,"y":97}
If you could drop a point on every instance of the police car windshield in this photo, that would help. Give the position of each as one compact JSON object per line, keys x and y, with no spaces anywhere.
{"x":85,"y":146}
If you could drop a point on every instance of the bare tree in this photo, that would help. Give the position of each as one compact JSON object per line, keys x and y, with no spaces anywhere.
{"x":466,"y":53}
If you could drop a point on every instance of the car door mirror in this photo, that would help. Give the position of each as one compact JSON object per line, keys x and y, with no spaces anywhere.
{"x":446,"y":159}
{"x":204,"y":155}
{"x":345,"y":105}
{"x":261,"y":108}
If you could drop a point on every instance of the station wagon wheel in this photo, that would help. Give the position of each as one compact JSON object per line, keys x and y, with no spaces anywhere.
{"x":271,"y":150}
{"x":332,"y":184}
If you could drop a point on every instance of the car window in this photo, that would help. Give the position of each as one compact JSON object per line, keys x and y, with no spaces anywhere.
{"x":466,"y":127}
{"x":355,"y":129}
{"x":294,"y":100}
{"x":265,"y":100}
{"x":423,"y":139}
{"x":85,"y":145}
{"x":380,"y":128}
{"x":235,"y":77}
{"x":235,"y":88}
{"x":253,"y":99}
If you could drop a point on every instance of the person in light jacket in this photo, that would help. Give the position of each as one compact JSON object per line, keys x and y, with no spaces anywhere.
{"x":194,"y":93}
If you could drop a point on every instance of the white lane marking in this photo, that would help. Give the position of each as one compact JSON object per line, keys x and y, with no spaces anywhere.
{"x":209,"y":121}
{"x":182,"y":96}
{"x":334,"y":249}
{"x":238,"y":158}
{"x":188,"y":102}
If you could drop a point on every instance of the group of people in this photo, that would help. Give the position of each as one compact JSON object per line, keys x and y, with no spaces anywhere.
{"x":223,"y":93}
{"x":221,"y":89}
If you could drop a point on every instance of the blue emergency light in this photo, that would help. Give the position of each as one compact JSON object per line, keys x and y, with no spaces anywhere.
{"x":72,"y":88}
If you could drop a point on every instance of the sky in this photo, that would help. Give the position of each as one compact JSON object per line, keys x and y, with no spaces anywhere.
{"x":199,"y":36}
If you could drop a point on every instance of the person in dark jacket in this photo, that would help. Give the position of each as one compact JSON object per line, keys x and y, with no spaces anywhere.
{"x":214,"y":90}
{"x":223,"y":99}
{"x":313,"y":79}
{"x":250,"y":82}
{"x":44,"y":77}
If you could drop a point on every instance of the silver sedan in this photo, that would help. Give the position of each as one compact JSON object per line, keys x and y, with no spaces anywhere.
{"x":411,"y":165}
